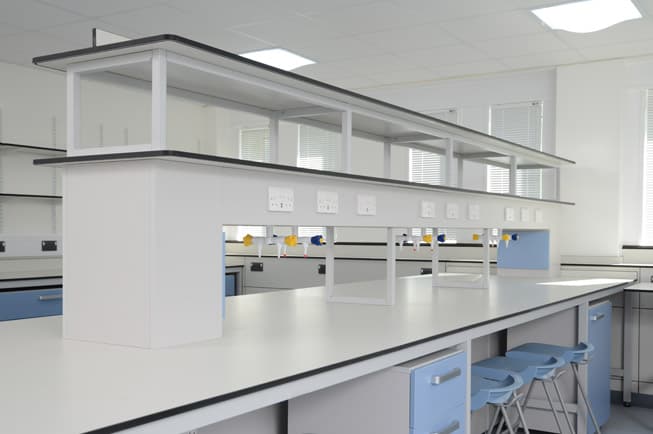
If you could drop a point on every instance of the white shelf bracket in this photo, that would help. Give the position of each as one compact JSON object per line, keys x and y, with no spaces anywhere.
{"x":513,"y":175}
{"x":159,"y":99}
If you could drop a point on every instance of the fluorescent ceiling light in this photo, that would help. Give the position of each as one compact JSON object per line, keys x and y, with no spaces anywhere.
{"x":279,"y":58}
{"x":589,"y":15}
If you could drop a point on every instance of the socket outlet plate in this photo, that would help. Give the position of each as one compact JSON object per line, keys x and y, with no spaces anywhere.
{"x":525,"y":214}
{"x":366,"y":204}
{"x":509,"y":214}
{"x":474,"y":211}
{"x":281,"y":199}
{"x":327,"y":202}
{"x":427,"y":209}
{"x":452,"y":211}
{"x":539,"y":216}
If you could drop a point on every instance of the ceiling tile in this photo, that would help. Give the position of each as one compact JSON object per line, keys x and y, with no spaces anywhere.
{"x":613,"y":51}
{"x":403,"y":76}
{"x":330,"y":50}
{"x":451,"y":54}
{"x":409,"y":38}
{"x":634,"y":30}
{"x":447,"y":10}
{"x":98,"y":8}
{"x":168,"y":20}
{"x":552,"y":58}
{"x":645,"y":7}
{"x":289,"y":31}
{"x":354,"y":82}
{"x":8,"y":29}
{"x":372,"y":17}
{"x":311,"y":7}
{"x":471,"y":68}
{"x":21,"y":48}
{"x":32,"y":15}
{"x":525,"y":44}
{"x":495,"y":26}
{"x":228,"y":14}
{"x":81,"y":32}
{"x":346,"y":68}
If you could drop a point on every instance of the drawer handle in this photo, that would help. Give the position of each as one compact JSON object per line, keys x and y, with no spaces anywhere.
{"x":439,"y":379}
{"x":50,"y":297}
{"x":450,"y":429}
{"x":598,"y":317}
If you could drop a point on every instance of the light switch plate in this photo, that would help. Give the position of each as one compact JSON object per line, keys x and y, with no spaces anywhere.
{"x":281,"y":199}
{"x":452,"y":211}
{"x":366,"y":204}
{"x":539,"y":216}
{"x":327,"y":202}
{"x":525,"y":214}
{"x":427,"y":209}
{"x":509,"y":214}
{"x":474,"y":211}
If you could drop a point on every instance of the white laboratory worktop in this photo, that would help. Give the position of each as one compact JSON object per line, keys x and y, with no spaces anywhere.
{"x":56,"y":386}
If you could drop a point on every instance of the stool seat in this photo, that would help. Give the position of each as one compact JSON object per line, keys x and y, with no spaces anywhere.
{"x":495,"y":390}
{"x":575,"y":354}
{"x":540,"y":367}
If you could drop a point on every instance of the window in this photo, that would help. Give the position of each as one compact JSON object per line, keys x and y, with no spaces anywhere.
{"x":647,"y":214}
{"x":254,"y":144}
{"x":520,"y":123}
{"x":316,"y":149}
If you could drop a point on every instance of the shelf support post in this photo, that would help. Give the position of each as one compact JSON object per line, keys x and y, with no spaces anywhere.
{"x":435,"y":260}
{"x":274,"y":138}
{"x":346,"y":141}
{"x":159,"y":98}
{"x":448,"y":165}
{"x":391,"y":268}
{"x":513,"y":176}
{"x":73,"y":101}
{"x":556,"y":191}
{"x":485,"y":279}
{"x":329,"y":260}
{"x":387,"y":162}
{"x":461,"y":169}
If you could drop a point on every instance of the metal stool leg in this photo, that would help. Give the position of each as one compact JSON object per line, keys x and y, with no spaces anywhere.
{"x":505,"y":416}
{"x":574,"y":368}
{"x":521,"y":417}
{"x":554,"y":380}
{"x":491,"y":427}
{"x":528,"y":395}
{"x":553,"y":409}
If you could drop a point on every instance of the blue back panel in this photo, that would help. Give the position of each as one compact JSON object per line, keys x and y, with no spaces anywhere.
{"x":529,"y":252}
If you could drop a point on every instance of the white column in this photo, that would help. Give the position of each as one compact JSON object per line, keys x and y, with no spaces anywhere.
{"x":391,"y":268}
{"x":73,"y":102}
{"x":513,"y":176}
{"x":387,"y":160}
{"x":346,"y":142}
{"x":448,"y":165}
{"x":159,"y":99}
{"x":274,"y":139}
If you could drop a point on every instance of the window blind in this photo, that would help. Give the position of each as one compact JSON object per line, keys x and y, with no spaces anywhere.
{"x":522,"y":124}
{"x":647,"y":214}
{"x":254,"y":144}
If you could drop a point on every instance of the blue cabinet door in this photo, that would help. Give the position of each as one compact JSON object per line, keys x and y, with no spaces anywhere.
{"x":598,"y":371}
{"x":30,"y":303}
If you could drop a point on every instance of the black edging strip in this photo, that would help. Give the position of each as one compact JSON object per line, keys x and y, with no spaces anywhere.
{"x":31,"y":147}
{"x":293,"y":169}
{"x":221,"y":398}
{"x":31,"y":288}
{"x":30,"y":196}
{"x":30,"y":278}
{"x":361,"y":258}
{"x":235,"y":57}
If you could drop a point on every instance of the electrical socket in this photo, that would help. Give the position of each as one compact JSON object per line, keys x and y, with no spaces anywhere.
{"x":474,"y":211}
{"x":510,"y":214}
{"x":525,"y":214}
{"x":366,"y":204}
{"x":452,"y":211}
{"x":281,"y":199}
{"x":327,"y":202}
{"x":427,"y":209}
{"x":539,"y":216}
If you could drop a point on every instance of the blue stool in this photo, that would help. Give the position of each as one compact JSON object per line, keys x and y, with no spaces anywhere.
{"x":496,"y":388}
{"x":538,"y":368}
{"x":574,"y":356}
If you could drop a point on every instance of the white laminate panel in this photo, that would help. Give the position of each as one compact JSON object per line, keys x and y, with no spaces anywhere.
{"x":645,"y":347}
{"x":268,"y":420}
{"x":80,"y":386}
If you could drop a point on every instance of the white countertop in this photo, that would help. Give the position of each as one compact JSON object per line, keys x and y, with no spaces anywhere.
{"x":641,"y":287}
{"x":56,"y":386}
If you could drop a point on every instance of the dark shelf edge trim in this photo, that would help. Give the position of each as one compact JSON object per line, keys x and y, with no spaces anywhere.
{"x":292,"y":169}
{"x":31,"y":147}
{"x":221,"y":398}
{"x":30,"y":196}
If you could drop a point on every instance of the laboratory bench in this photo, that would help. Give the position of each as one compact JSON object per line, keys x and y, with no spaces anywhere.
{"x":276,"y":346}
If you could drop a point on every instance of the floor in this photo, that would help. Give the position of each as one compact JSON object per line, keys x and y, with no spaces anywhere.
{"x":632,"y":420}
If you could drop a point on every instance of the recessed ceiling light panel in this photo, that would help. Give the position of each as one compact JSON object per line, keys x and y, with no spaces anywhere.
{"x":589,"y":15}
{"x":279,"y":58}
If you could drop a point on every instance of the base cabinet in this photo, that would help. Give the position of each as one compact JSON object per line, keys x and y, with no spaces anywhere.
{"x":423,"y":396}
{"x":30,"y":303}
{"x":598,"y":370}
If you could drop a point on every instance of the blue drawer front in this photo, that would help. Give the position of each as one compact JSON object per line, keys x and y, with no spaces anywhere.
{"x":598,"y":371}
{"x":431,"y":404}
{"x":453,"y":423}
{"x":229,"y":285}
{"x":30,"y":303}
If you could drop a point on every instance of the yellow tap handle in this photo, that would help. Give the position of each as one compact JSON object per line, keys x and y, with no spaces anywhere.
{"x":428,"y":238}
{"x":290,"y":240}
{"x":247,"y":240}
{"x":476,"y":237}
{"x":505,"y":237}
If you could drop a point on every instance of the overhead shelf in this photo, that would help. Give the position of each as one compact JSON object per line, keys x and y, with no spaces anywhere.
{"x":210,"y":75}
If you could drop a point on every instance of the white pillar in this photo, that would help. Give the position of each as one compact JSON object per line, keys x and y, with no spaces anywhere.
{"x":159,"y":99}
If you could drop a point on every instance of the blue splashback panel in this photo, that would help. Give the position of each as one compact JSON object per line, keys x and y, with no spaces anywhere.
{"x":529,"y":252}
